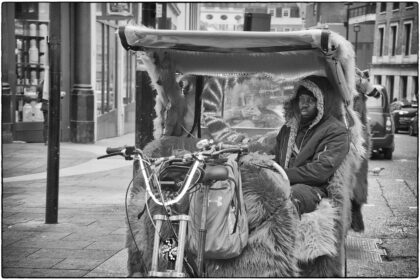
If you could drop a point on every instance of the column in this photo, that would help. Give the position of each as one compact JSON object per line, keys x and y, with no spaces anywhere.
{"x":82,"y":106}
{"x":410,"y":89}
{"x":397,"y":91}
{"x":8,"y":71}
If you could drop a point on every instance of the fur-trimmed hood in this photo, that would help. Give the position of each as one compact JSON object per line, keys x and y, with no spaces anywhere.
{"x":329,"y":103}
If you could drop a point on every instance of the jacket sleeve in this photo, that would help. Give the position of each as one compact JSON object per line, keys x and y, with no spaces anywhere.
{"x":330,"y":153}
{"x":277,"y":147}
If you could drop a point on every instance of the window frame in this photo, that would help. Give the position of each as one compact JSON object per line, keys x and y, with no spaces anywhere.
{"x":405,"y":23}
{"x":380,"y":7}
{"x":409,"y":7}
{"x":108,"y":66}
{"x":393,"y":39}
{"x":381,"y":40}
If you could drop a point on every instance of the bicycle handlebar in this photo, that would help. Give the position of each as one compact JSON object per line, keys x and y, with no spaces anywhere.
{"x":209,"y":149}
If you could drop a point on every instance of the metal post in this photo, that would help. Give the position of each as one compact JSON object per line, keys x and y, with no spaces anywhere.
{"x":145,"y":96}
{"x":51,"y":212}
{"x":348,"y":18}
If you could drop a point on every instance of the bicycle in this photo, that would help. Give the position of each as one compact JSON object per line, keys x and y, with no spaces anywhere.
{"x":202,"y":169}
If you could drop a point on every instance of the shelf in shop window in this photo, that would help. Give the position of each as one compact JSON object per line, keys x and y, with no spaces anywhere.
{"x":38,"y":37}
{"x":30,"y":65}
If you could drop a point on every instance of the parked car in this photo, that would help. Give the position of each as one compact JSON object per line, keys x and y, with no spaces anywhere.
{"x":403,"y":115}
{"x":413,"y":128}
{"x":381,"y":123}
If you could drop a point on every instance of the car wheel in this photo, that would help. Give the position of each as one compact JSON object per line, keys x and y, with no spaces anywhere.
{"x":387,"y":153}
{"x":411,"y":131}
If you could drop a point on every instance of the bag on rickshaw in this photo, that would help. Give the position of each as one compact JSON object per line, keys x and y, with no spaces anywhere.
{"x":226,"y":223}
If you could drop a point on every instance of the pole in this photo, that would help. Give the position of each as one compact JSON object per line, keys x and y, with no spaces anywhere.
{"x":355,"y":47}
{"x":347,"y":22}
{"x":51,"y":211}
{"x":145,"y":96}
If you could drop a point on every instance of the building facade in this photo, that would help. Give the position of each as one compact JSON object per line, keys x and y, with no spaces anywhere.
{"x":230,"y":16}
{"x":396,"y":45}
{"x":97,"y":74}
{"x":354,"y":21}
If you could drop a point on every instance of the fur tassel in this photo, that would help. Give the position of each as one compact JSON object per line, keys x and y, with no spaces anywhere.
{"x":316,"y":233}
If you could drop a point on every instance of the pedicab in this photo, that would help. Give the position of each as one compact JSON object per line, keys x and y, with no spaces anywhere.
{"x":208,"y":85}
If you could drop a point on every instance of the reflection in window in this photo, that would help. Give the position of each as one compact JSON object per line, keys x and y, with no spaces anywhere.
{"x":254,"y":103}
{"x":105,"y":67}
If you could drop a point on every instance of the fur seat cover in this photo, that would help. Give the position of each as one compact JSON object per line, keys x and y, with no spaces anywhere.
{"x":279,"y":243}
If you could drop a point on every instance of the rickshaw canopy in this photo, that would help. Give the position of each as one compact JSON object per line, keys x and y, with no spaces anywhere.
{"x":291,"y":55}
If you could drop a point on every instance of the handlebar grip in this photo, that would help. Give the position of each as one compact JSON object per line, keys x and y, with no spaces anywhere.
{"x":110,"y":150}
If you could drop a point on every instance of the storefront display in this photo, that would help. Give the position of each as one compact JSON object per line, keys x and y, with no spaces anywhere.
{"x":31,"y":53}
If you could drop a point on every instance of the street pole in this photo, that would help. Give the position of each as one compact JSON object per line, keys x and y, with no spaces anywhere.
{"x":145,"y":96}
{"x":356,"y":29}
{"x":348,"y":18}
{"x":51,"y":211}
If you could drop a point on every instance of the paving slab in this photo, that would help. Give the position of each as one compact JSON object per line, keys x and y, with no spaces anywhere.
{"x":114,"y":267}
{"x":44,"y":273}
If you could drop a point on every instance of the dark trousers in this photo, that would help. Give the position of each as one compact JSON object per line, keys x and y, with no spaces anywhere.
{"x":45,"y":128}
{"x":306,"y":198}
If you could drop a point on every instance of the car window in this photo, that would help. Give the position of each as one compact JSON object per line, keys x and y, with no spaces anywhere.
{"x":374,"y":102}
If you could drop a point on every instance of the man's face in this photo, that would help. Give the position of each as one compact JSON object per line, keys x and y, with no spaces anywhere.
{"x":307,"y":106}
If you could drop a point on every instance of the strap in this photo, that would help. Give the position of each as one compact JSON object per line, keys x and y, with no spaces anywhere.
{"x":325,"y":34}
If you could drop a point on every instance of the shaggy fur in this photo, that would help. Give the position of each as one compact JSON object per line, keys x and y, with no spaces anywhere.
{"x":315,"y":235}
{"x":272,"y":218}
{"x":272,"y":221}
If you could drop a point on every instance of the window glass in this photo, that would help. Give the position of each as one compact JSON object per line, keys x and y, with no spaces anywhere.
{"x":105,"y":67}
{"x":254,"y":102}
{"x":381,"y":41}
{"x":373,"y":102}
{"x":395,"y":5}
{"x":393,"y":39}
{"x":383,"y":7}
{"x":31,"y":49}
{"x":407,"y":28}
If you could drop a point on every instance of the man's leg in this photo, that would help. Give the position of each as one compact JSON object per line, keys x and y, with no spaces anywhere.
{"x":305,"y":198}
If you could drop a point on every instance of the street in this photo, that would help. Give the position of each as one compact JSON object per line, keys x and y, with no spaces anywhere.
{"x":391,"y":217}
{"x":88,"y":240}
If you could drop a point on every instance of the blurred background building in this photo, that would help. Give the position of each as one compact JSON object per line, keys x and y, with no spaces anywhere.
{"x":100,"y":77}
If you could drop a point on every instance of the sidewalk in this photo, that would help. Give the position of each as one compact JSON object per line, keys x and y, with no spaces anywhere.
{"x":89,"y":238}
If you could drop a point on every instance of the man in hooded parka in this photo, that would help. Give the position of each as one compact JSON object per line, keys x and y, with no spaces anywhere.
{"x":313,"y":142}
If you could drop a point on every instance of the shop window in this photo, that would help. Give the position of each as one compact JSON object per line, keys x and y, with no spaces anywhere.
{"x":407,"y":39}
{"x":378,"y":79}
{"x":404,"y":87}
{"x":129,"y":78}
{"x":105,"y":67}
{"x":31,"y":49}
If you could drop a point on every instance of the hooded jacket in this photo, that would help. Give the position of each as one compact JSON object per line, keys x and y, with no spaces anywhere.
{"x":323,"y":146}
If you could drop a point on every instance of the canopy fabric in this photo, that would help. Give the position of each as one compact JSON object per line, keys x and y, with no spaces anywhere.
{"x":138,"y":37}
{"x":290,"y":55}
